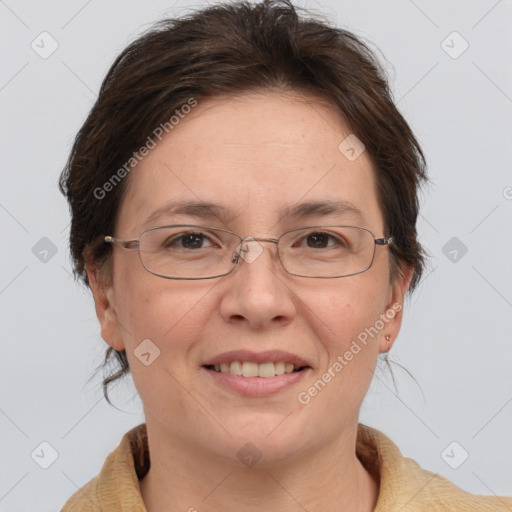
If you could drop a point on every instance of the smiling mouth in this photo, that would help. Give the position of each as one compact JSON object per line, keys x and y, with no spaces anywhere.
{"x":251,"y":369}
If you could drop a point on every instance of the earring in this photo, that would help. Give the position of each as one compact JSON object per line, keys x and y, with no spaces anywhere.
{"x":388,"y":340}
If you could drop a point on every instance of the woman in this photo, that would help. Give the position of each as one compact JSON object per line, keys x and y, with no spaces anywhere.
{"x":244,"y":202}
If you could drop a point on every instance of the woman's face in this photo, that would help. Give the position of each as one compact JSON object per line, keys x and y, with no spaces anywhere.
{"x":253,"y":155}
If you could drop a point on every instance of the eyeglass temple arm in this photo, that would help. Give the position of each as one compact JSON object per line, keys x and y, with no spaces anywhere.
{"x":130,"y":244}
{"x":383,"y":241}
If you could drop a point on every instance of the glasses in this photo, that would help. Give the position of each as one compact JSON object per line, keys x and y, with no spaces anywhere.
{"x":187,"y":251}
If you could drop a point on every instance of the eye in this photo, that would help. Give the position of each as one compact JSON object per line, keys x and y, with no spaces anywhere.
{"x":193,"y":240}
{"x":322,"y":239}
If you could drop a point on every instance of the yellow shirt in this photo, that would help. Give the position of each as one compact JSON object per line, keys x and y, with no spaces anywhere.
{"x":404,"y":485}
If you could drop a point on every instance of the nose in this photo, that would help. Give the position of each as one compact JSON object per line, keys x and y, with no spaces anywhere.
{"x":256,"y":292}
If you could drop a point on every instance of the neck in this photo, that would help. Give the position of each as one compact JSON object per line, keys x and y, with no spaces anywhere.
{"x":329,"y":479}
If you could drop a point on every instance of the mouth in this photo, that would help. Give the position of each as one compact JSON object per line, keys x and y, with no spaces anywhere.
{"x":243,"y":367}
{"x":250,"y":369}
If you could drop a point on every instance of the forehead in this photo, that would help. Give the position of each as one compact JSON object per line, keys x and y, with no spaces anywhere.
{"x":256,"y":155}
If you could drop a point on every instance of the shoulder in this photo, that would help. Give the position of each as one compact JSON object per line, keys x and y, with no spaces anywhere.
{"x":406,"y":486}
{"x":424,"y":490}
{"x":117,"y":485}
{"x":85,"y":499}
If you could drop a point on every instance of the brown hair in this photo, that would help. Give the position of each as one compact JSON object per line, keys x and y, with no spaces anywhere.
{"x":227,"y":49}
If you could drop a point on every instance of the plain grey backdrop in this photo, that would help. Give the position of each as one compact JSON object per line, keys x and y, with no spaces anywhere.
{"x":449,"y":62}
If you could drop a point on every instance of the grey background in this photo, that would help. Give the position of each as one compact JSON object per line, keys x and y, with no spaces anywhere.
{"x":456,"y":336}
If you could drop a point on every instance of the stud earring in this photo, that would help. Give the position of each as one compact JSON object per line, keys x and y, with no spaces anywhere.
{"x":388,"y":340}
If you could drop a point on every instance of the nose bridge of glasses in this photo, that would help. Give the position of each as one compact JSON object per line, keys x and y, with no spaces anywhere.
{"x":251,"y":238}
{"x":243,"y":250}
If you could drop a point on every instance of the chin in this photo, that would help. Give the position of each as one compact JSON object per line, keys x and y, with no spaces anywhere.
{"x":272,"y":435}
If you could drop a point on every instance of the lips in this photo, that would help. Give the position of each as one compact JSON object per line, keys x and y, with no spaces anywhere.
{"x":257,"y":364}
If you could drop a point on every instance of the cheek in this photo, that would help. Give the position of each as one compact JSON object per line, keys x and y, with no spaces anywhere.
{"x":348,"y":321}
{"x":173,"y":316}
{"x":350,"y":305}
{"x":160,"y":329}
{"x":351,"y":337}
{"x":147,"y":305}
{"x":343,"y":320}
{"x":162,"y":314}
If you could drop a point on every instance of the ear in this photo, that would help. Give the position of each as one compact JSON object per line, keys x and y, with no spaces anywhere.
{"x":104,"y":302}
{"x":394,"y":309}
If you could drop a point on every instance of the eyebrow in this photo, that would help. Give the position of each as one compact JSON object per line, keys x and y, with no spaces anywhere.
{"x":317,"y":208}
{"x":207,"y":210}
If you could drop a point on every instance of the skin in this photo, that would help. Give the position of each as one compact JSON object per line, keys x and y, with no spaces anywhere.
{"x":253,"y":153}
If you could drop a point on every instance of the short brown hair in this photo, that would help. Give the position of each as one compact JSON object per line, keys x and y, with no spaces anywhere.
{"x":227,"y":49}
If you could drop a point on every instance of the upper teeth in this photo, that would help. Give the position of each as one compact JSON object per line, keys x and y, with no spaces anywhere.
{"x":250,"y":369}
